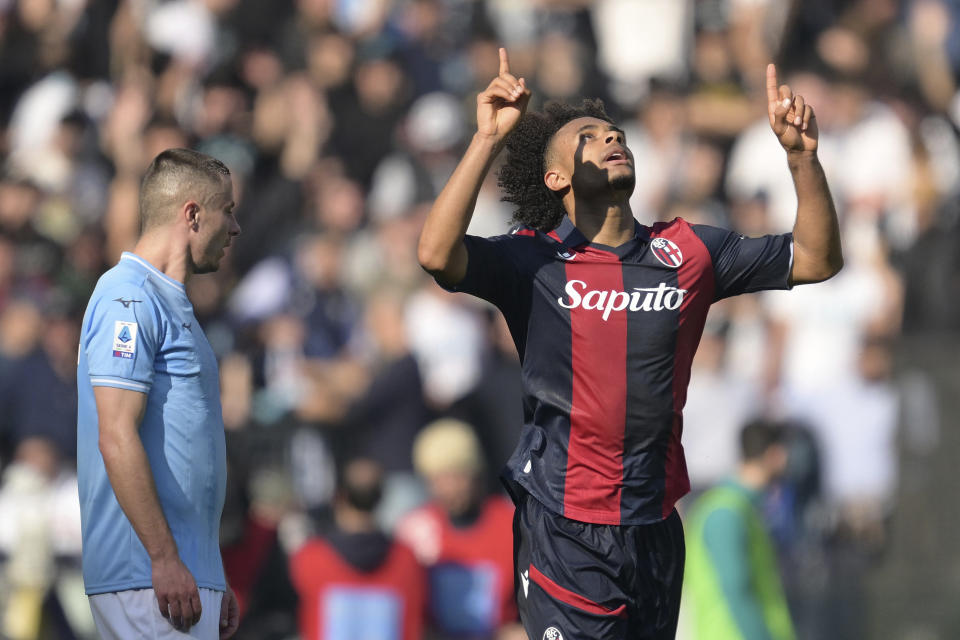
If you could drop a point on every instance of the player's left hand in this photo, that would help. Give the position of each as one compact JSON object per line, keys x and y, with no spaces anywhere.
{"x":229,"y":614}
{"x":791,"y":119}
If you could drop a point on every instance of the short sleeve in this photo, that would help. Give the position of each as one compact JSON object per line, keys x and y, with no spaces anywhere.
{"x":492,"y":271}
{"x":743,"y":265}
{"x":121,"y":339}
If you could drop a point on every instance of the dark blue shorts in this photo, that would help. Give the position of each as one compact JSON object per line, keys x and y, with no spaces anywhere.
{"x":581,"y":581}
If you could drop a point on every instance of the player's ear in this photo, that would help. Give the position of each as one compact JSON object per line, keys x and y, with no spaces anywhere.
{"x":555,"y":180}
{"x":191,"y":214}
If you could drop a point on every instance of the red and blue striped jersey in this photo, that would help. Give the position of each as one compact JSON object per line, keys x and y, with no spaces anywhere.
{"x":606,"y":336}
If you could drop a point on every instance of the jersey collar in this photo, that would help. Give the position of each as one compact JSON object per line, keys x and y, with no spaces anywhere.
{"x":132,"y":257}
{"x":569,"y":236}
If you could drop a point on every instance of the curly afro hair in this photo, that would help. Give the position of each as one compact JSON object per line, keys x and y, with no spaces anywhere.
{"x":521,"y":176}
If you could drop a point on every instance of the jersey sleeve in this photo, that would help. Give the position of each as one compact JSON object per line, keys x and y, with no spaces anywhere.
{"x":743,"y":265}
{"x":121,"y":339}
{"x":493,"y":271}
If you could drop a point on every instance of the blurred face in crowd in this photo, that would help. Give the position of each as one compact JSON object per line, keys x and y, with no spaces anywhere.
{"x":60,"y":338}
{"x":159,"y":136}
{"x":20,"y":328}
{"x":214,"y":229}
{"x":561,"y":72}
{"x":18,"y":203}
{"x":362,"y":485}
{"x":664,"y":116}
{"x":590,"y":156}
{"x":319,"y":261}
{"x":453,"y":490}
{"x":329,"y":59}
{"x":775,"y":460}
{"x":379,"y":85}
{"x":41,"y":455}
{"x":875,"y":362}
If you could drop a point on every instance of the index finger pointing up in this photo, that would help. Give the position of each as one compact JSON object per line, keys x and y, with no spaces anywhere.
{"x":772,"y":95}
{"x":504,"y":63}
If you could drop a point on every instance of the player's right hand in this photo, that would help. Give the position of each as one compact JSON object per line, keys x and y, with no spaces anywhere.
{"x":501,"y":105}
{"x":791,"y":119}
{"x":177,"y":593}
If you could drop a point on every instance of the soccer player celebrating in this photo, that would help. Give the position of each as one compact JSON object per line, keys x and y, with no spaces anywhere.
{"x":606,"y":315}
{"x":151,"y":455}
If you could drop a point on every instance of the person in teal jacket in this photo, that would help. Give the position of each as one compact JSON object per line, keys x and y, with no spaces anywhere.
{"x":732,"y":583}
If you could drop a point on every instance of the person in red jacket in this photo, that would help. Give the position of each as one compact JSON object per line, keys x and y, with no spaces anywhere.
{"x":354,"y":581}
{"x":463,"y":538}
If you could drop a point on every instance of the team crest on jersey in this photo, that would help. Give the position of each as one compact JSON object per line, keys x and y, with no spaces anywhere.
{"x":124,"y":339}
{"x":552,"y":633}
{"x":667,"y":252}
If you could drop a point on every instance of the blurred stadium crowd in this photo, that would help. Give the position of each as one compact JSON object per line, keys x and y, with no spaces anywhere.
{"x":340,"y":120}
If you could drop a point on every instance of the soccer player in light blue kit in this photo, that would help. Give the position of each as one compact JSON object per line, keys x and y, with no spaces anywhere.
{"x":151,"y":455}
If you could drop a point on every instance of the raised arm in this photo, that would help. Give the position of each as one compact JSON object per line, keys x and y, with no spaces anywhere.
{"x":499,"y":108}
{"x":120,"y":412}
{"x":817,"y":254}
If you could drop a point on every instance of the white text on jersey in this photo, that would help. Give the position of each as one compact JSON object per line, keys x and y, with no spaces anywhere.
{"x":658,"y":298}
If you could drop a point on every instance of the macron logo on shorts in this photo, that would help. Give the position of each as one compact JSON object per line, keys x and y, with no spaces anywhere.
{"x":525,"y":580}
{"x":124,"y":339}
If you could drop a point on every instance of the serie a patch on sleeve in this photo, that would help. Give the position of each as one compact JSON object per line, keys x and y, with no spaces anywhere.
{"x":124,"y":339}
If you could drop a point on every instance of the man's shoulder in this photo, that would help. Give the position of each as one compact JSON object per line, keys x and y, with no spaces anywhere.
{"x":401,"y":553}
{"x":419,"y":523}
{"x":520,"y":245}
{"x":524,"y":233}
{"x":522,"y":240}
{"x":703,"y":235}
{"x":314,"y":550}
{"x":669,"y":228}
{"x":729,"y":495}
{"x":121,"y":283}
{"x":519,"y":231}
{"x":126,"y":295}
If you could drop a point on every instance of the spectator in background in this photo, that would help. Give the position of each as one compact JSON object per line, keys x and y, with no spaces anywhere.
{"x":42,"y":393}
{"x":329,"y":312}
{"x":719,"y":402}
{"x":41,"y":593}
{"x":383,"y":422}
{"x":259,"y":498}
{"x":732,"y":582}
{"x":256,"y":563}
{"x":859,"y":415}
{"x":463,"y":537}
{"x":932,"y":277}
{"x":495,"y":407}
{"x":641,"y":40}
{"x":660,"y":129}
{"x":354,"y":581}
{"x":816,"y":336}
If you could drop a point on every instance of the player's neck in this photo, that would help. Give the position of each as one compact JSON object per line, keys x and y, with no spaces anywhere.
{"x":163,"y":250}
{"x":603,"y":222}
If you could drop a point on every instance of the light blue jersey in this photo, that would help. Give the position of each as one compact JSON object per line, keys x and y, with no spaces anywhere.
{"x":139,"y":333}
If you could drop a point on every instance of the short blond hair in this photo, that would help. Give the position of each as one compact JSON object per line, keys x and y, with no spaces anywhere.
{"x":171,"y":175}
{"x":447,"y":445}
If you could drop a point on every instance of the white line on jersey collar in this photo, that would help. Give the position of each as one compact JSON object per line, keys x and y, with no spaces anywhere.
{"x":149,"y":267}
